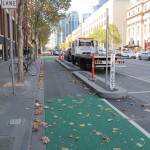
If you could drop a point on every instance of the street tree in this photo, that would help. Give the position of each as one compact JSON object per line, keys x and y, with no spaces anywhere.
{"x":20,"y":40}
{"x":100,"y":34}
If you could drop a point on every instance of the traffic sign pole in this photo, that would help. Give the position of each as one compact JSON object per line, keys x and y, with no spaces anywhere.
{"x":11,"y":50}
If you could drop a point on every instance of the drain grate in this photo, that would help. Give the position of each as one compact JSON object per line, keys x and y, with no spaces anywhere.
{"x":15,"y":121}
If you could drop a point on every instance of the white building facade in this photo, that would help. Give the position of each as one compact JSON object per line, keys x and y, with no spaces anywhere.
{"x":138,"y":24}
{"x":117,"y":15}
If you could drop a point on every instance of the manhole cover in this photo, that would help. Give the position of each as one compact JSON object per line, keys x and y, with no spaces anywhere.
{"x":6,"y":142}
{"x":15,"y":121}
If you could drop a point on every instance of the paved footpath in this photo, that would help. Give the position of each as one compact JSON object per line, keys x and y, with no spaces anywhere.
{"x":16,"y":111}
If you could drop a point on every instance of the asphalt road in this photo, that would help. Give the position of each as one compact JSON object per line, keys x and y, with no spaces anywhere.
{"x":59,"y":83}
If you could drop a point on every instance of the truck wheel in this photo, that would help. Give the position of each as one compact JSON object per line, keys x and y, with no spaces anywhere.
{"x":73,"y":60}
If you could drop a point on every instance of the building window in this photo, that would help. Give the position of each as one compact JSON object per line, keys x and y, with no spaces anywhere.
{"x":128,"y":32}
{"x":8,"y":24}
{"x":138,"y":31}
{"x":145,"y":29}
{"x":133,"y":32}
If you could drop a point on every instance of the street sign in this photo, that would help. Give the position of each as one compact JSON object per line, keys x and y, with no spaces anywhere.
{"x":9,"y":4}
{"x":112,"y":72}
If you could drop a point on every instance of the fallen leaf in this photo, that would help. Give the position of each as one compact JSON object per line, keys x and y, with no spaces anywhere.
{"x":141,"y":139}
{"x":55,"y":116}
{"x":46,"y":107}
{"x":70,"y":136}
{"x":106,"y":139}
{"x":77,"y":138}
{"x":65,"y":148}
{"x":89,"y":124}
{"x":38,"y":112}
{"x":49,"y":101}
{"x":147,"y":110}
{"x":118,"y":100}
{"x":82,"y":125}
{"x":43,"y":124}
{"x":109,"y":120}
{"x":45,"y":139}
{"x":79,"y":113}
{"x":115,"y":130}
{"x":71,"y":123}
{"x":70,"y":107}
{"x":98,"y":133}
{"x":139,"y":145}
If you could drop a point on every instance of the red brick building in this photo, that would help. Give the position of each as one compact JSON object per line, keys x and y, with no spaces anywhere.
{"x":5,"y":33}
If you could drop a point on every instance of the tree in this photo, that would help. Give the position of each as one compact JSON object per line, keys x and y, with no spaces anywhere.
{"x":113,"y":33}
{"x":20,"y":40}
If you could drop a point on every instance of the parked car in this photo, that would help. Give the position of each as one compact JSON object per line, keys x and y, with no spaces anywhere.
{"x":102,"y":52}
{"x":128,"y":54}
{"x":144,"y":55}
{"x":57,"y":52}
{"x":67,"y":55}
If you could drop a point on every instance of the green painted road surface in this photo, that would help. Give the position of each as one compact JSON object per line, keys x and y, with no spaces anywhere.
{"x":50,"y":57}
{"x":89,"y":123}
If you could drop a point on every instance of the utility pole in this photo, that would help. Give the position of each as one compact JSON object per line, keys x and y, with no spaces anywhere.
{"x":107,"y":46}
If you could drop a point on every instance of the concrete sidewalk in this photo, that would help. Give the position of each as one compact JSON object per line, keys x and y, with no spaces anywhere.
{"x":16,"y":110}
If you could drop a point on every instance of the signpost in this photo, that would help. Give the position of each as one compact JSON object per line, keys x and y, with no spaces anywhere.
{"x":10,"y":4}
{"x":112,"y":72}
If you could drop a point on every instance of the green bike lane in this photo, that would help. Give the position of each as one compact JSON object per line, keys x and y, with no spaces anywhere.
{"x":90,"y":123}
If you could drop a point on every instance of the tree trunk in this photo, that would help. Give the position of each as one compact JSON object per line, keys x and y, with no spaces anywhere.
{"x":20,"y":40}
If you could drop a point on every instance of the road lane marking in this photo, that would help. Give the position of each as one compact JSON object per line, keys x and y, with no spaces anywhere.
{"x":133,"y":77}
{"x":139,"y":92}
{"x":129,"y":119}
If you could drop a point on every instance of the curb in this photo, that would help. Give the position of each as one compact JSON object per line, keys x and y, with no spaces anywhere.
{"x":100,"y":91}
{"x":67,"y":64}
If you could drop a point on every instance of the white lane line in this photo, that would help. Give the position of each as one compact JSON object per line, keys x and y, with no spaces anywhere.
{"x":131,"y":121}
{"x":133,"y":77}
{"x":139,"y":92}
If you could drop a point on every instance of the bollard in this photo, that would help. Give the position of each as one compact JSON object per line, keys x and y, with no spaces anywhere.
{"x":62,"y":55}
{"x":93,"y":67}
{"x":59,"y":56}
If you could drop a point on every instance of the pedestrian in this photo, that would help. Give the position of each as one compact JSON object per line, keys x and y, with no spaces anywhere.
{"x":25,"y":51}
{"x":29,"y":52}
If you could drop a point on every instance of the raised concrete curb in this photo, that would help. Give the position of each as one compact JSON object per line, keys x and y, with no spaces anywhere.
{"x":98,"y":86}
{"x":68,"y":65}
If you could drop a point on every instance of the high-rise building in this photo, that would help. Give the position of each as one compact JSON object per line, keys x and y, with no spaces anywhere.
{"x":101,"y":2}
{"x":69,"y":24}
{"x":85,"y":16}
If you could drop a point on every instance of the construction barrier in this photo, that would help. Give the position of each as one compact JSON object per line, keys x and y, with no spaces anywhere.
{"x":93,"y":72}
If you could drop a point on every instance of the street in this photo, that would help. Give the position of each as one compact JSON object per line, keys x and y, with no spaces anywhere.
{"x":60,"y":85}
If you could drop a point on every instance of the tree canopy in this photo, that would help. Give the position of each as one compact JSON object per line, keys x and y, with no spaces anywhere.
{"x":100,"y":34}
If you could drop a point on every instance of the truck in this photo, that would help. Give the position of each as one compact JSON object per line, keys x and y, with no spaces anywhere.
{"x":83,"y":49}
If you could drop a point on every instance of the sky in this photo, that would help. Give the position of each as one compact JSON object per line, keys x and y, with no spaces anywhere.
{"x":82,"y":6}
